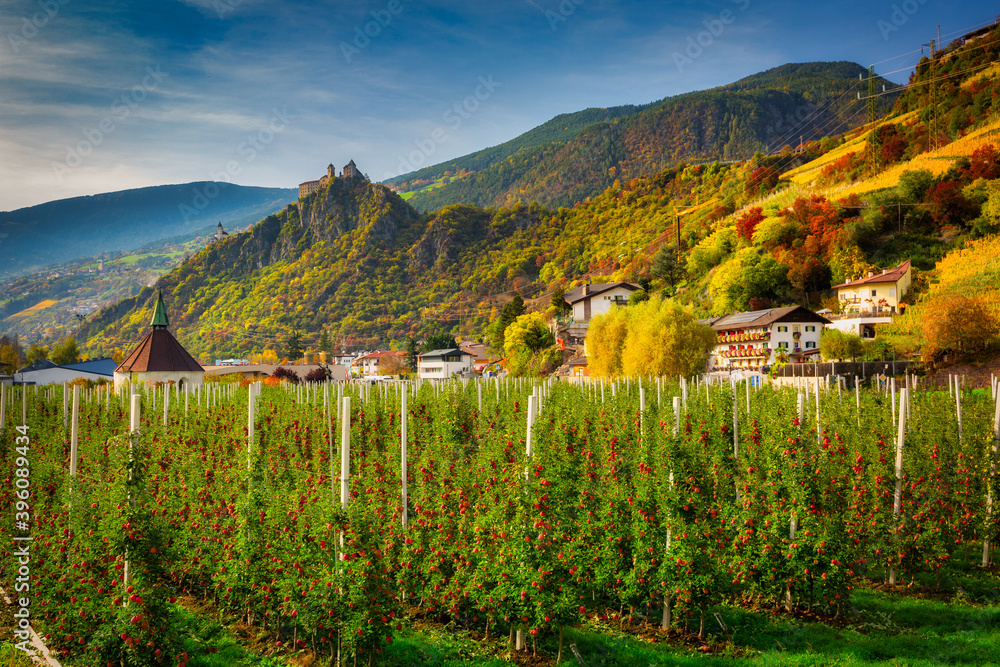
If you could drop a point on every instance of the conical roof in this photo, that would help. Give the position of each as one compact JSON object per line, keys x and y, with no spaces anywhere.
{"x":160,"y":320}
{"x":159,"y":351}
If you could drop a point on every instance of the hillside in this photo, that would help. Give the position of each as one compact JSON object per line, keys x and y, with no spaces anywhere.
{"x":63,"y":230}
{"x":361,"y":264}
{"x":583,"y":153}
{"x":50,"y":302}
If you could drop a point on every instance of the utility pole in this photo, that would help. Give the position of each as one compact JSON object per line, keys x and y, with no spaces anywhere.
{"x":932,"y":93}
{"x":874,"y":145}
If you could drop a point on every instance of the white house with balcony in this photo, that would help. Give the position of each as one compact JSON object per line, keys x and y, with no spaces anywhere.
{"x":877,"y":292}
{"x":751,"y":340}
{"x":442,"y":364}
{"x":589,"y":300}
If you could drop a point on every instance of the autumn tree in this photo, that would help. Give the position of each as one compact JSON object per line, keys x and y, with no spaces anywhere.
{"x":392,"y":364}
{"x":955,"y":323}
{"x":498,"y":328}
{"x":748,"y":222}
{"x":836,"y":344}
{"x":65,"y":352}
{"x":36,"y":352}
{"x":11,"y":354}
{"x":530,"y":346}
{"x":605,"y":339}
{"x":655,"y":337}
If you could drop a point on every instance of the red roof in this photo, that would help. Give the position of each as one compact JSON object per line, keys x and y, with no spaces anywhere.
{"x":890,"y":276}
{"x":159,"y":351}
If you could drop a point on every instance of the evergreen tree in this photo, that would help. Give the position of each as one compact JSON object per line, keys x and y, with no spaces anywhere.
{"x":294,"y":346}
{"x":411,"y":354}
{"x":325,"y":345}
{"x":559,"y":302}
{"x":438,"y":341}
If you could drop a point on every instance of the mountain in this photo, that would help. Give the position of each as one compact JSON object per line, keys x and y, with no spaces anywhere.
{"x":50,"y":302}
{"x":575,"y":156}
{"x":59,"y":231}
{"x":357,"y":262}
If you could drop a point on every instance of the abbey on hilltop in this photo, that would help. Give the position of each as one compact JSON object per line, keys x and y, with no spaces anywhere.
{"x":350,"y":171}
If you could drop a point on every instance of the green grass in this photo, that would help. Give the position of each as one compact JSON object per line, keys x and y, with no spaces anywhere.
{"x":427,"y":188}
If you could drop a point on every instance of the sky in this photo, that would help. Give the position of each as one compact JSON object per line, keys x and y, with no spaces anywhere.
{"x":105,"y":95}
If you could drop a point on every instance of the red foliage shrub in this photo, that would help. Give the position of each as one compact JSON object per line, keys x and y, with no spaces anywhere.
{"x":748,"y":222}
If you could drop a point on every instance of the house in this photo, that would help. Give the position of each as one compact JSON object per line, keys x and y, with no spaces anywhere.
{"x":860,"y":325}
{"x":588,"y":301}
{"x":578,"y":367}
{"x":159,"y":357}
{"x":44,"y":372}
{"x":442,"y":364}
{"x":877,"y":292}
{"x":755,"y":339}
{"x":371,"y":363}
{"x":481,"y":358}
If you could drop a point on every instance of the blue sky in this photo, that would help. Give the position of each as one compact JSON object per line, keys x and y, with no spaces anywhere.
{"x":104,"y":95}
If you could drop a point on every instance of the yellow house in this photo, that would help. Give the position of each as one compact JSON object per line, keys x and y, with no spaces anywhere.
{"x":876,"y":293}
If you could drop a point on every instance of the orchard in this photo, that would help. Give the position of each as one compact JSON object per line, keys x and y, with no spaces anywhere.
{"x":327,"y":516}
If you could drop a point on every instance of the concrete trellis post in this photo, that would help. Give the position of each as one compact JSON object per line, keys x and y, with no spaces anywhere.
{"x":991,"y":481}
{"x":666,"y":621}
{"x":74,"y":431}
{"x":897,"y":498}
{"x":958,"y":413}
{"x":345,"y":453}
{"x":529,"y":450}
{"x":3,"y":406}
{"x":135,"y":414}
{"x":404,"y":422}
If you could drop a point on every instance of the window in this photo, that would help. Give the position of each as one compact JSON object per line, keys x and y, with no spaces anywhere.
{"x":782,"y":328}
{"x":783,"y":345}
{"x":811,"y":327}
{"x":873,"y":292}
{"x":810,"y":345}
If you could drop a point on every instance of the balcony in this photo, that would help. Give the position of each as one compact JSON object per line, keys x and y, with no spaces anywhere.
{"x":744,"y":337}
{"x":746,"y":353}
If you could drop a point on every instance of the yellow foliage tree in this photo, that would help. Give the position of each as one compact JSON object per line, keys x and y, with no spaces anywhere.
{"x":655,"y":337}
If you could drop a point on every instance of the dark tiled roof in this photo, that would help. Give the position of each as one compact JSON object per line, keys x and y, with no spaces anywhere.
{"x":890,"y":276}
{"x":761,"y":318}
{"x":578,"y":361}
{"x":98,"y":366}
{"x":576,"y":294}
{"x":434,"y":354}
{"x":159,"y":351}
{"x":38,"y":365}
